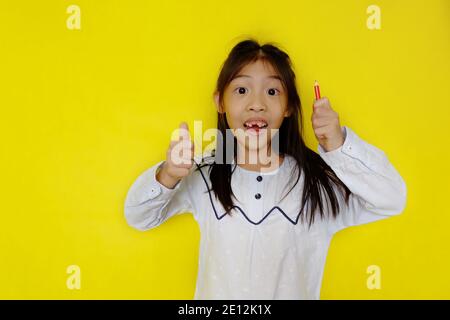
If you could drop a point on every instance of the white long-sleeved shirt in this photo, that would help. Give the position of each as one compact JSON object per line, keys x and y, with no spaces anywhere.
{"x":264,"y":251}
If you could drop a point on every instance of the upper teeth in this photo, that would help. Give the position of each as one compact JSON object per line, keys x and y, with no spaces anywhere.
{"x":259,"y":123}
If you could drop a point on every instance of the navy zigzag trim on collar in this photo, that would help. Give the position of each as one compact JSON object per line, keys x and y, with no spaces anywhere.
{"x":219,"y":217}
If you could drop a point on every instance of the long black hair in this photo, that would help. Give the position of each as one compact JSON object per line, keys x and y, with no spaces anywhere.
{"x":318,"y":176}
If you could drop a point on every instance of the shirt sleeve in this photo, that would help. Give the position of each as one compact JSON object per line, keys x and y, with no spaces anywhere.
{"x":378,"y":190}
{"x":149,"y":203}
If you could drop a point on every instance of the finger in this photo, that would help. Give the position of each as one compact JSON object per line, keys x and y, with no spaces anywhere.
{"x":188,"y":144}
{"x":178,"y":159}
{"x":322,"y":131}
{"x":184,"y":131}
{"x":324,"y":112}
{"x":323,"y":116}
{"x":189,"y":151}
{"x":182,"y":163}
{"x":322,"y":102}
{"x":172,"y":143}
{"x":318,"y":122}
{"x":321,"y":126}
{"x":182,"y":149}
{"x":317,"y":107}
{"x":181,"y":171}
{"x":186,"y":155}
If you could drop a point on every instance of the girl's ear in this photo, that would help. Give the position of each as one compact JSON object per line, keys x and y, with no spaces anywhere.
{"x":217,"y":102}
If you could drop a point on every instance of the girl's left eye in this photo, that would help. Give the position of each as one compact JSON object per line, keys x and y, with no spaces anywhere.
{"x":273,"y":91}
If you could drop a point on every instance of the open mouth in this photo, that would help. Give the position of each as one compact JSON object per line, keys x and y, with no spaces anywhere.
{"x":255,"y":126}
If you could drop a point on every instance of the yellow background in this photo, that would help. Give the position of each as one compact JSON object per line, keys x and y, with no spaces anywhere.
{"x":84,"y":112}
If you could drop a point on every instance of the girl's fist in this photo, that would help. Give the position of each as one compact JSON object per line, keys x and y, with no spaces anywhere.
{"x":326,"y":125}
{"x":179,"y":159}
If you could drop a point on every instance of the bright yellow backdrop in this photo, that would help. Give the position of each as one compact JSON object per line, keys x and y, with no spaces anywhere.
{"x":83,"y":112}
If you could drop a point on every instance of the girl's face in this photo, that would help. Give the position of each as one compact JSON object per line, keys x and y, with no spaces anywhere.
{"x":255,"y":104}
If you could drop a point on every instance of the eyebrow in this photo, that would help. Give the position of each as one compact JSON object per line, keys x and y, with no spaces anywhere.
{"x":247,"y":76}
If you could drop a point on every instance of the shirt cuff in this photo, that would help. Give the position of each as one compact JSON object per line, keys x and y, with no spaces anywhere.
{"x":157,"y":189}
{"x":352,"y":148}
{"x":323,"y":151}
{"x":148,"y":188}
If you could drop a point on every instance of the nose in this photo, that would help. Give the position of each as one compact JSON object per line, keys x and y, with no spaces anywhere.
{"x":256,"y":105}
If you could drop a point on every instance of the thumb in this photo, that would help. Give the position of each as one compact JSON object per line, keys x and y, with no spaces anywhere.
{"x":184,"y":131}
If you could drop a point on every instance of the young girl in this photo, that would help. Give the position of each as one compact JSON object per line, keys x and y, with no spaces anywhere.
{"x":266,"y":226}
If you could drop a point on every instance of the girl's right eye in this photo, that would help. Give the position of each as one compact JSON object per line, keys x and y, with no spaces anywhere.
{"x":240,"y":90}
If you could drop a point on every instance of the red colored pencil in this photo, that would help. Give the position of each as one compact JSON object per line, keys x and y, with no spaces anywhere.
{"x":317,"y":90}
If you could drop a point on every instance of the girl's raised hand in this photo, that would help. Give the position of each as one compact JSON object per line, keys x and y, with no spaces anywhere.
{"x":179,"y":159}
{"x":326,"y":125}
